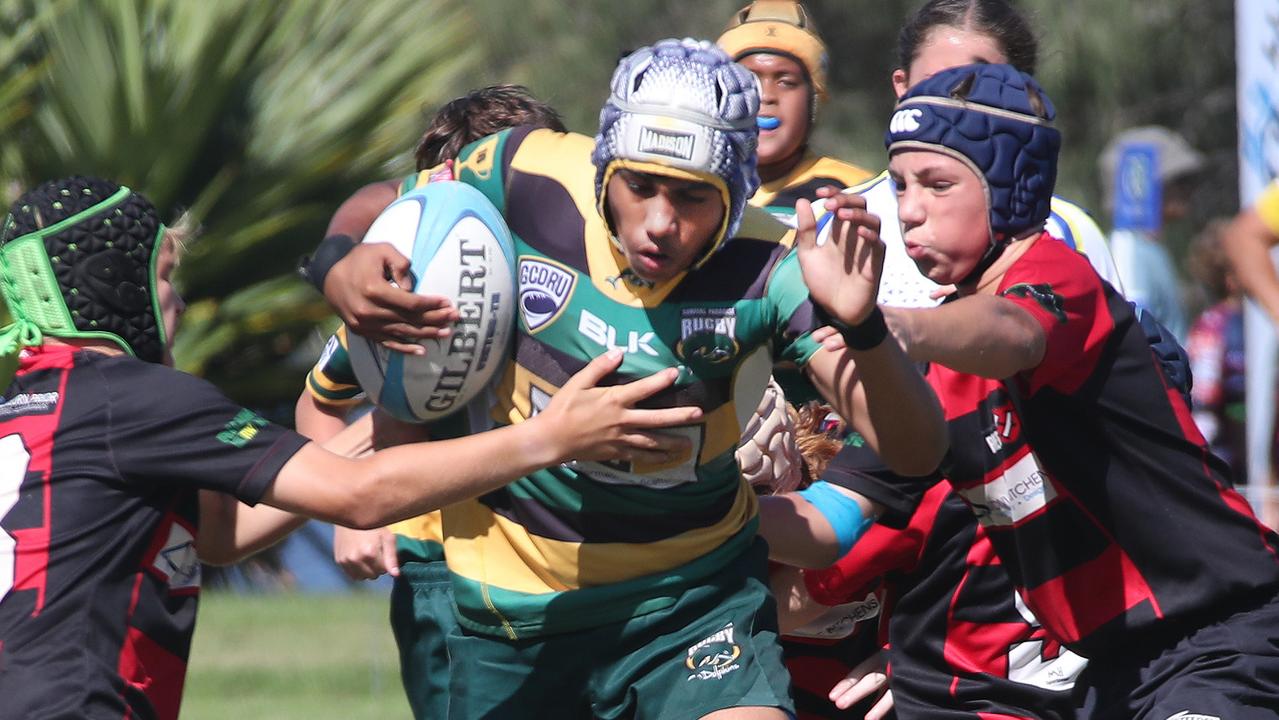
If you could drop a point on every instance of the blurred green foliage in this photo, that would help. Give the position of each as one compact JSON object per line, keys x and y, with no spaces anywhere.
{"x":261,"y":117}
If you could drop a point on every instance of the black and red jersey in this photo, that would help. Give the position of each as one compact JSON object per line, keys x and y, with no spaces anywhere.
{"x":1087,"y":473}
{"x":100,"y":461}
{"x":962,"y":644}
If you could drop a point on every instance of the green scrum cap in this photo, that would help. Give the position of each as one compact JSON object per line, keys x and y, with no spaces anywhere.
{"x":78,"y":260}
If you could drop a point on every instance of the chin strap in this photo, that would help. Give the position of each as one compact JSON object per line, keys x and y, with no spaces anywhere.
{"x":20,"y":334}
{"x":993,"y":251}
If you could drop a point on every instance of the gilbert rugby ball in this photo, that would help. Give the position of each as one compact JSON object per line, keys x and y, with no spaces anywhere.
{"x":460,"y":248}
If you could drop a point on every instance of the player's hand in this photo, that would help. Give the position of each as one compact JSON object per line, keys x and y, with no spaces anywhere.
{"x":602,"y":423}
{"x":365,"y":554}
{"x":368,"y":289}
{"x":843,"y":272}
{"x":865,"y":680}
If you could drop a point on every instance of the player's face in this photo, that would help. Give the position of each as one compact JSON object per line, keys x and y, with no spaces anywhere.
{"x":946,"y":47}
{"x":663,"y":224}
{"x":171,"y":303}
{"x":941,"y":205}
{"x":784,"y":102}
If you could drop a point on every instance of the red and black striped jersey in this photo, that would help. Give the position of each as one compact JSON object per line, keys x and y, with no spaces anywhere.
{"x":1100,"y":496}
{"x":100,"y":461}
{"x":962,"y":644}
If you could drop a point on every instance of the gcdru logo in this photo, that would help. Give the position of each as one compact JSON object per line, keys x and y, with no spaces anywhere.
{"x":905,"y":121}
{"x":544,"y":291}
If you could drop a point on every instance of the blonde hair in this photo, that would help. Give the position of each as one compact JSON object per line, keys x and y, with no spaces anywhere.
{"x":182,"y":232}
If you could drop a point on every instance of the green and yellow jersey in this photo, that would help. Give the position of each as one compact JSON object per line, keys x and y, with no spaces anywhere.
{"x":584,"y":544}
{"x":779,"y":196}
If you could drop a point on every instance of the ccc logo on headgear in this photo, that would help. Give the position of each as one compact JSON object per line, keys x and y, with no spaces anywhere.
{"x":905,"y":121}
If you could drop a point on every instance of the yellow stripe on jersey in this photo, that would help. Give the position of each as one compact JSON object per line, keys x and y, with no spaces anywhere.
{"x":507,"y":556}
{"x":422,"y":527}
{"x":1268,"y":207}
{"x":759,"y":224}
{"x":340,"y":391}
{"x":810,"y":167}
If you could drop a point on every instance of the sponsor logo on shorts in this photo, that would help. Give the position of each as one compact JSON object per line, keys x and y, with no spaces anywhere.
{"x":1022,"y":490}
{"x":707,"y":335}
{"x":666,"y":142}
{"x":29,"y":404}
{"x":714,"y":657}
{"x":1187,"y":715}
{"x":242,"y":428}
{"x":545,"y":288}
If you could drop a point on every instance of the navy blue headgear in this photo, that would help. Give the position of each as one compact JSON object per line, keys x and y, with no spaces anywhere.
{"x":998,"y":121}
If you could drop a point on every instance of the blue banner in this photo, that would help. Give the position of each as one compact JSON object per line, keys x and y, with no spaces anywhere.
{"x":1138,"y":200}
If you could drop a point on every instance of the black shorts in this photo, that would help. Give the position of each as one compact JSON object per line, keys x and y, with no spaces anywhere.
{"x":1227,"y":670}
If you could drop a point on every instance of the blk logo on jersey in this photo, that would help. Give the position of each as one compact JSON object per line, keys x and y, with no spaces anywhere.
{"x":707,"y":335}
{"x":600,"y":332}
{"x":714,"y":657}
{"x":545,"y":288}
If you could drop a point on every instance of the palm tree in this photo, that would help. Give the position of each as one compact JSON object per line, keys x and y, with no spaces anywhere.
{"x":259,"y":118}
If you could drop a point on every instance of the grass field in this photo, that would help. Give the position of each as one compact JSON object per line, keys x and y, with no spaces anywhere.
{"x":292,"y":656}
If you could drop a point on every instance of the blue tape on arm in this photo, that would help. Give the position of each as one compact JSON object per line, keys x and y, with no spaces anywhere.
{"x":841,"y":511}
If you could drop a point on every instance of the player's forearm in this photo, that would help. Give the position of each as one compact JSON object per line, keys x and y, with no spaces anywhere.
{"x":980,"y":334}
{"x":881,"y":393}
{"x":408,"y":480}
{"x":231,"y":531}
{"x":1247,"y":243}
{"x":796,"y":532}
{"x":412,"y":479}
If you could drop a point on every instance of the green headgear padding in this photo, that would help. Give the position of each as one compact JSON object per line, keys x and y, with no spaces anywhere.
{"x":78,"y":260}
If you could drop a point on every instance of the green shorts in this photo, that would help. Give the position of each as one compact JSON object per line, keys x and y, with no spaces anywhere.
{"x":421,"y":618}
{"x":715,"y":648}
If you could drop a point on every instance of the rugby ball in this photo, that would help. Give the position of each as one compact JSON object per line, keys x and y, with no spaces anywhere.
{"x":460,"y":248}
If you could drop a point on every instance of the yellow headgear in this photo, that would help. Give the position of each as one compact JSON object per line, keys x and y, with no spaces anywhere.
{"x":778,"y":26}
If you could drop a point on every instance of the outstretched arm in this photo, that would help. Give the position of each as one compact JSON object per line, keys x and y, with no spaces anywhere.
{"x":582,"y":422}
{"x":870,"y":382}
{"x":983,"y":335}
